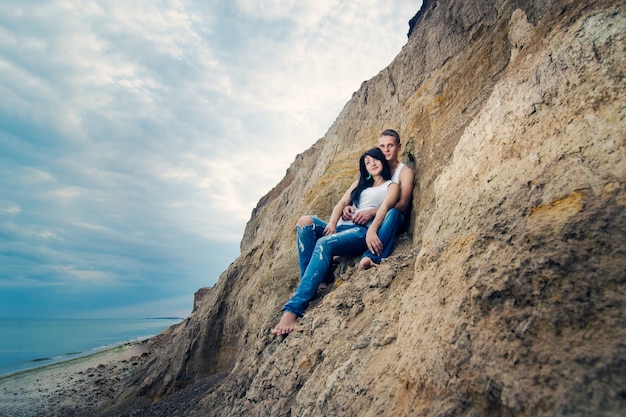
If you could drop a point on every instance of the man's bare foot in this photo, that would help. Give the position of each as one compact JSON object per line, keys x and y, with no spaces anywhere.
{"x":286,"y":324}
{"x":366,"y":263}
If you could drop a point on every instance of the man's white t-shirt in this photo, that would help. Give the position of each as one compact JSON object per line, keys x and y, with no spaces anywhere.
{"x":396,"y":175}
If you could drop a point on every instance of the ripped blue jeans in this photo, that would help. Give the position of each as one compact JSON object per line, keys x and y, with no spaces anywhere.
{"x":315,"y":252}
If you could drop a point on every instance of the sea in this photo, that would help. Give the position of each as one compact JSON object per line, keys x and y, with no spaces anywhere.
{"x":32,"y":343}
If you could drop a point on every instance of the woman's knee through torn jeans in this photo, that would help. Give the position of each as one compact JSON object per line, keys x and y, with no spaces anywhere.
{"x":315,"y":252}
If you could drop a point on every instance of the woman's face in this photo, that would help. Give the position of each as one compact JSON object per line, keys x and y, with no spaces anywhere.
{"x":373,"y":165}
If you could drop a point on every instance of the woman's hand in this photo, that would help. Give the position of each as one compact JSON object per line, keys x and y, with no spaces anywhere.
{"x":330,"y":229}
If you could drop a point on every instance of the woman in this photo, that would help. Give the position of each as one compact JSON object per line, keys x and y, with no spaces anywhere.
{"x":319,"y":241}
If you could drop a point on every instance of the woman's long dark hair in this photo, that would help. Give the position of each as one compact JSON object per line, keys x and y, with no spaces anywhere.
{"x":364,"y":182}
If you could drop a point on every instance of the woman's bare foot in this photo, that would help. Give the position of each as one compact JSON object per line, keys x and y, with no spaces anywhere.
{"x":286,"y":324}
{"x":366,"y":263}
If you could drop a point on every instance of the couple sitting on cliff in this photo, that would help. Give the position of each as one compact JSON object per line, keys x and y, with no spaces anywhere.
{"x":366,"y":219}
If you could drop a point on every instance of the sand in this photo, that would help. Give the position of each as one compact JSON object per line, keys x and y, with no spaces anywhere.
{"x":78,"y":387}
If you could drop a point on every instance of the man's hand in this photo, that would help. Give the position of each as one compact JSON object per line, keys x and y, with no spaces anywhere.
{"x":347,"y":213}
{"x":373,"y":242}
{"x":364,"y":216}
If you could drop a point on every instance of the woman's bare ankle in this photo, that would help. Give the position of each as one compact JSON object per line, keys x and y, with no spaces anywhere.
{"x":286,"y":325}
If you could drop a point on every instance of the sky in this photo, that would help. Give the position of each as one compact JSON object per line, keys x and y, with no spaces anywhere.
{"x":136,"y":137}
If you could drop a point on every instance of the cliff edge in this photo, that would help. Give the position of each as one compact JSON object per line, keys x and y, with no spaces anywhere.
{"x":506,"y":296}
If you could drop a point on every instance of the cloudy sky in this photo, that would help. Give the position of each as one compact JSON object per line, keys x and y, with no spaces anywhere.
{"x":136,"y":136}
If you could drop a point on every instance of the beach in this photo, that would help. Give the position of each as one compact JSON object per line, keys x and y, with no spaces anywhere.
{"x":77,"y":387}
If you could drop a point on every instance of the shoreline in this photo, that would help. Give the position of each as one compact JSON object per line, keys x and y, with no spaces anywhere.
{"x":76,"y":386}
{"x":36,"y":342}
{"x":72,"y":356}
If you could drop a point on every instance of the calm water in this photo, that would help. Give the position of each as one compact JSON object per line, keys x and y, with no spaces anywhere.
{"x":31,"y":343}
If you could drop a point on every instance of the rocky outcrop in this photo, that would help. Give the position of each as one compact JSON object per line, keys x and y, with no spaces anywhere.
{"x":506,"y":296}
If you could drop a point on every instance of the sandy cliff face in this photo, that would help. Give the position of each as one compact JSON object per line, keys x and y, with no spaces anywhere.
{"x":506,"y":297}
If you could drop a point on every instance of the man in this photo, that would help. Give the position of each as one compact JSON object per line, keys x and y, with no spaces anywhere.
{"x":380,"y":244}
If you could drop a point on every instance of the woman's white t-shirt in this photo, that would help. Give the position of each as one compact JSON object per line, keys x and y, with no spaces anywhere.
{"x":371,"y":197}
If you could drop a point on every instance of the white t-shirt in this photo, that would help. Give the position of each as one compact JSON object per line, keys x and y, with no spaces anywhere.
{"x":396,"y":175}
{"x":371,"y":197}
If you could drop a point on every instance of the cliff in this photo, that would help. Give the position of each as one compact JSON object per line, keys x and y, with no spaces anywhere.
{"x":506,"y":296}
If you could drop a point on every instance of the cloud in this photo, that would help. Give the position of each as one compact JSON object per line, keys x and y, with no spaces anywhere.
{"x":137,"y":137}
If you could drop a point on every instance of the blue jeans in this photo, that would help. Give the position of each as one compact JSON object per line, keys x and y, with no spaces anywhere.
{"x":386,"y":234}
{"x":315,"y":252}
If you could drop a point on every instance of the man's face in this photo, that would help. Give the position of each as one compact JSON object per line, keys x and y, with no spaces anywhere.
{"x":390,"y":148}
